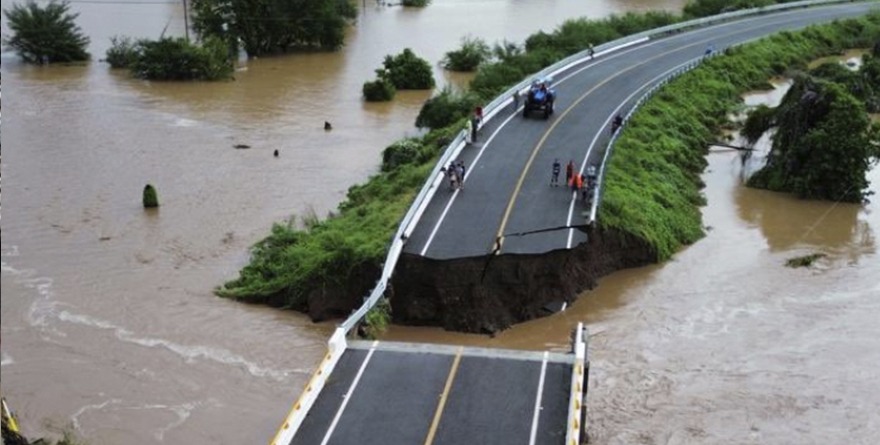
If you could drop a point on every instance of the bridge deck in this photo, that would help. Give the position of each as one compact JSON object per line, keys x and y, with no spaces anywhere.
{"x":397,"y":393}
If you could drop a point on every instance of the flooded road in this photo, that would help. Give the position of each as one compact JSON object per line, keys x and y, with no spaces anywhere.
{"x":109,"y":324}
{"x":724,"y":344}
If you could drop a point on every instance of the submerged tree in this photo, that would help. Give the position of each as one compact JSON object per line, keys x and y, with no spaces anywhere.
{"x":46,"y":34}
{"x":823,"y":143}
{"x":275,"y":26}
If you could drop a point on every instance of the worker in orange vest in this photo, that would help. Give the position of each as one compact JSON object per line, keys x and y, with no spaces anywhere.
{"x":576,"y":182}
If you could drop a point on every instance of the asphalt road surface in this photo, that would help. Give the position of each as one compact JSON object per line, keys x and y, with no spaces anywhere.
{"x":507,"y":186}
{"x":392,"y":393}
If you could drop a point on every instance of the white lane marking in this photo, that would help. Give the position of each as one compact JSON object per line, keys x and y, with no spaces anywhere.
{"x":348,"y":395}
{"x":538,"y":400}
{"x":600,"y":132}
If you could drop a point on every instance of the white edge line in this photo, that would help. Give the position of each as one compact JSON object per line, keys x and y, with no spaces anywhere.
{"x":537,"y":414}
{"x":348,"y":395}
{"x":439,"y":221}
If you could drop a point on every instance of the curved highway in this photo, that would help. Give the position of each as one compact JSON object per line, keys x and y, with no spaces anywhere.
{"x":507,"y":204}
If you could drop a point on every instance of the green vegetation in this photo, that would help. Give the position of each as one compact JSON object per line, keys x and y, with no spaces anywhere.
{"x":472,"y":53}
{"x":275,"y":26}
{"x":652,"y":188}
{"x":804,"y":261}
{"x":151,"y":199}
{"x":652,"y":185}
{"x":408,"y":71}
{"x":123,"y":52}
{"x":704,"y":8}
{"x":405,"y":71}
{"x":171,"y":58}
{"x":446,"y":109}
{"x":418,"y":3}
{"x":290,"y":263}
{"x":46,"y":34}
{"x":512,"y":64}
{"x":822,"y":146}
{"x":377,"y":319}
{"x":379,"y":90}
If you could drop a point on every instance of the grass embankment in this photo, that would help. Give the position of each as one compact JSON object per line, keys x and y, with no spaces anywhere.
{"x":290,"y":264}
{"x":653,"y":183}
{"x":293,"y":262}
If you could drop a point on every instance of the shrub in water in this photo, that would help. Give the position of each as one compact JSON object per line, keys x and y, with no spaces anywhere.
{"x":123,"y":52}
{"x":150,"y":197}
{"x":408,"y":71}
{"x":46,"y":34}
{"x":379,"y":90}
{"x":472,"y":53}
{"x":178,"y":59}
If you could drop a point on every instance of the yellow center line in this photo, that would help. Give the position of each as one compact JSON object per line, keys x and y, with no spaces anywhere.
{"x":439,"y":413}
{"x":499,"y":236}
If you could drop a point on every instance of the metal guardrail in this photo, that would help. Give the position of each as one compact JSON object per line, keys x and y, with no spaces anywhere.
{"x":577,"y":393}
{"x":337,"y":343}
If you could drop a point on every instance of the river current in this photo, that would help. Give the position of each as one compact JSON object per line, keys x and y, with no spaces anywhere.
{"x":110,"y":326}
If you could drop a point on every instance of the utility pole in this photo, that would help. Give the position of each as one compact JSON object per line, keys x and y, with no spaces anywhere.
{"x":186,"y":20}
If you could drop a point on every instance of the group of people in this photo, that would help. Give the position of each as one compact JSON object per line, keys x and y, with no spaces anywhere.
{"x":584,"y":182}
{"x":455,"y":172}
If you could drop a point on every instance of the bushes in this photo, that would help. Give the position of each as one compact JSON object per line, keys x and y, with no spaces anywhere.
{"x":408,"y":71}
{"x":472,"y":53}
{"x":418,"y":3}
{"x":405,"y":71}
{"x":379,"y":90}
{"x":123,"y":52}
{"x":399,"y":153}
{"x":150,"y":198}
{"x":176,"y":59}
{"x":445,"y":109}
{"x":46,"y":34}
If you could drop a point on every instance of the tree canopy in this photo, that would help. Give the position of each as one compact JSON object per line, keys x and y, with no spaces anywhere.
{"x":275,"y":26}
{"x":46,"y":34}
{"x":408,"y":71}
{"x":823,"y":143}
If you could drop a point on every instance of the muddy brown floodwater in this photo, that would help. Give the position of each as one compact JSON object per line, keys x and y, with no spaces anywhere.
{"x":109,"y":325}
{"x":724,"y":344}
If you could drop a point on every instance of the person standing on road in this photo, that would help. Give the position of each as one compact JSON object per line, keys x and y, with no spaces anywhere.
{"x":576,"y":183}
{"x":473,"y":126}
{"x":554,"y":180}
{"x":478,"y":114}
{"x":586,"y":188}
{"x":569,"y":170}
{"x":515,"y":100}
{"x":592,"y":51}
{"x":616,"y":124}
{"x":460,"y":171}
